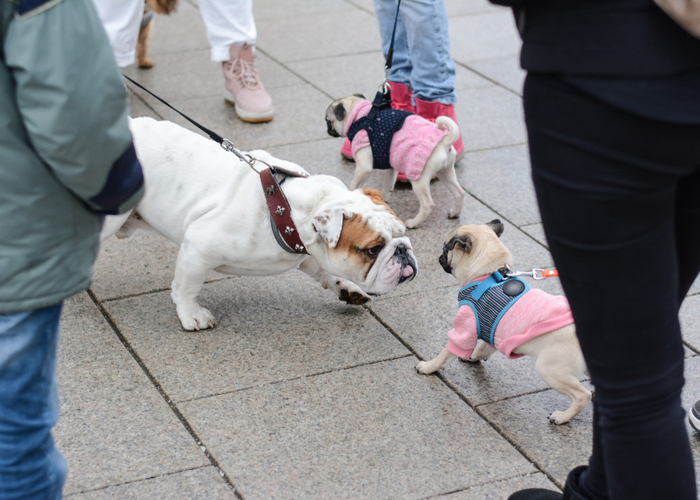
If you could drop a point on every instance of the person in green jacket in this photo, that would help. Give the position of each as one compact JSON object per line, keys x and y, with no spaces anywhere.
{"x":66,"y":160}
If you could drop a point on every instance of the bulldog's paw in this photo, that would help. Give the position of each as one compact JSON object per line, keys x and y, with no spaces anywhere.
{"x":350,"y":293}
{"x":558,"y":418}
{"x":201,"y":319}
{"x":355,"y":297}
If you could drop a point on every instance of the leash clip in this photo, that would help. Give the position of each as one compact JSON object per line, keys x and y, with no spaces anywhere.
{"x":535,"y":274}
{"x":229,"y":147}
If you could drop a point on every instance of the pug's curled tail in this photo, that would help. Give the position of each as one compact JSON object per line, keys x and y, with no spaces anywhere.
{"x":447,"y":123}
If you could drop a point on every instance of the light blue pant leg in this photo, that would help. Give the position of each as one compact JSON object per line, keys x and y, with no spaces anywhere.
{"x":31,"y":467}
{"x":421,"y":48}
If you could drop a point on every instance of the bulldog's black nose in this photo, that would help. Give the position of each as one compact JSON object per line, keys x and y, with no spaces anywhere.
{"x":331,"y":130}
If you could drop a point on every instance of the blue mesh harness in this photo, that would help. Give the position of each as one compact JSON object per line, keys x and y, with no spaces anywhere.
{"x":490,"y":299}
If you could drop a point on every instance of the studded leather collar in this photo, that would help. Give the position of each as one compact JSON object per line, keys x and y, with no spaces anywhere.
{"x":281,"y":221}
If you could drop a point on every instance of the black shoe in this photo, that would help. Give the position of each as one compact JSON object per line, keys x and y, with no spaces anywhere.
{"x":694,"y":416}
{"x":571,"y":489}
{"x":536,"y":494}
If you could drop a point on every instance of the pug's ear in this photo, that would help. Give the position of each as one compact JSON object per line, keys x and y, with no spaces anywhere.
{"x":329,"y":224}
{"x":360,"y":96}
{"x":339,"y":112}
{"x":497,"y":227}
{"x":461,"y":241}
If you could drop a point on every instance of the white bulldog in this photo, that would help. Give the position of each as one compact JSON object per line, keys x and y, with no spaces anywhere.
{"x":212,"y":204}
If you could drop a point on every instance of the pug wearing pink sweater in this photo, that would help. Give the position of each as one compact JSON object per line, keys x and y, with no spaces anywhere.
{"x":397,"y":141}
{"x":508,"y":316}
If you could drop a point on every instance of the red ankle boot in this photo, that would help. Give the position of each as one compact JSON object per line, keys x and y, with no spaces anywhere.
{"x":401,"y":97}
{"x":431,"y":110}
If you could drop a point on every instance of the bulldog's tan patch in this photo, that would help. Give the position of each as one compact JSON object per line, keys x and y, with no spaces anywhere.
{"x":359,"y":244}
{"x":376,"y":196}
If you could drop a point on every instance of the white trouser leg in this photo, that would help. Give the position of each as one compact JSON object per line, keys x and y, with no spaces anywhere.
{"x":228,"y":22}
{"x":122,"y":21}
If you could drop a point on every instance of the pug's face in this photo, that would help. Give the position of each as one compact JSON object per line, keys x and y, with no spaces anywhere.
{"x":473,"y":251}
{"x":337,"y":114}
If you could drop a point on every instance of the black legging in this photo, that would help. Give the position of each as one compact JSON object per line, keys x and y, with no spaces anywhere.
{"x":619,"y":197}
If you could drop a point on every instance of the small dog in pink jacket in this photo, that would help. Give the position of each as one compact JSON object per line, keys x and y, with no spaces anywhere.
{"x":509,"y":316}
{"x":418,"y":148}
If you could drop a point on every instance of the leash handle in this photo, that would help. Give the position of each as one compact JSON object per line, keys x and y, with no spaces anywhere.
{"x":213,"y":135}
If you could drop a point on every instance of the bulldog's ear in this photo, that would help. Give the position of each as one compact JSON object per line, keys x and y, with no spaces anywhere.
{"x":497,"y":227}
{"x":360,"y":96}
{"x":329,"y":223}
{"x":339,"y":112}
{"x":461,"y":241}
{"x":376,"y":196}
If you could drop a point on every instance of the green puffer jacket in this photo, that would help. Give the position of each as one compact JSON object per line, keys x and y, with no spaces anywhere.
{"x":66,"y":153}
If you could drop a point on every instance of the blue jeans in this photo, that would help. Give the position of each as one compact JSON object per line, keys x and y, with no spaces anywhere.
{"x":422,"y":59}
{"x":31,"y":467}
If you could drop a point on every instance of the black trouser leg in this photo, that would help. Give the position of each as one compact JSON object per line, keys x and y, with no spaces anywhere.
{"x":609,"y":186}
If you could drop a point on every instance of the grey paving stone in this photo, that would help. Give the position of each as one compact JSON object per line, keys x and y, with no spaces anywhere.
{"x":504,"y":70}
{"x":177,"y":33}
{"x":501,"y":178}
{"x":323,"y":35}
{"x":376,"y":431}
{"x":299,"y":112}
{"x":556,"y":448}
{"x":490,"y":117}
{"x":502,"y":489}
{"x":484,"y":36}
{"x":269,"y":329}
{"x":198,"y":483}
{"x":114,"y":426}
{"x":191,"y":75}
{"x":690,"y":321}
{"x":537,"y":232}
{"x":274,"y":9}
{"x":144,"y":262}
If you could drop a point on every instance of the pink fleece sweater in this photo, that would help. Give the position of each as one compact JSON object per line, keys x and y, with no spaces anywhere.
{"x":411,"y":145}
{"x":533,"y":314}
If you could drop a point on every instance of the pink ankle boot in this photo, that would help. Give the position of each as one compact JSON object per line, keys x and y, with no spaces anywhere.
{"x":431,"y":110}
{"x":243,"y":86}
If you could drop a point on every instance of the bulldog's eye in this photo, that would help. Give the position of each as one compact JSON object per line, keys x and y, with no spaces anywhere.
{"x":374,"y":251}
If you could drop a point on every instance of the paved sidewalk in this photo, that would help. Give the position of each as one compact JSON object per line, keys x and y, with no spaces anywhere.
{"x":295,"y":395}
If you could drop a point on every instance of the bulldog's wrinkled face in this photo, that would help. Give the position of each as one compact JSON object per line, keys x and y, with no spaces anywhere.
{"x":337,"y":114}
{"x":473,"y":251}
{"x":370,"y":247}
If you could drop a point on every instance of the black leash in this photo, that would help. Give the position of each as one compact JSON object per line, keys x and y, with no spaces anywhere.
{"x":383,"y":98}
{"x":390,"y":53}
{"x":213,"y":135}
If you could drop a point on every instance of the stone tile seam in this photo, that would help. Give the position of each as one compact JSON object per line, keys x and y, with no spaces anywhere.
{"x":482,"y":75}
{"x":519,"y":228}
{"x":135,"y":481}
{"x":156,"y":290}
{"x":296,"y":377}
{"x":371,"y":12}
{"x":497,"y":481}
{"x":168,"y":400}
{"x":466,"y":400}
